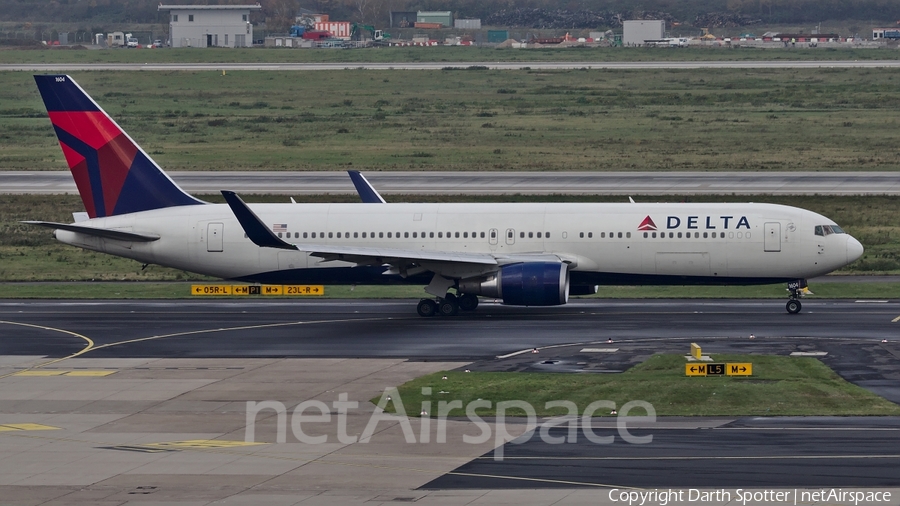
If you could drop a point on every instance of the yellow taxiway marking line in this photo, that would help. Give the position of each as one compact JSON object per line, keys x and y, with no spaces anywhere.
{"x":7,"y":427}
{"x":39,"y":372}
{"x":895,"y":320}
{"x":88,"y":340}
{"x":202,"y":444}
{"x":91,"y":346}
{"x":229,"y":329}
{"x":87,"y":373}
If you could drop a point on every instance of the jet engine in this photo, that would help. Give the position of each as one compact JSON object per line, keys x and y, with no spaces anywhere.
{"x":525,"y":284}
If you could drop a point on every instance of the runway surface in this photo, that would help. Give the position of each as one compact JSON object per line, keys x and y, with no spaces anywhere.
{"x":748,"y":452}
{"x":230,"y":339}
{"x":491,"y":183}
{"x":390,"y":328}
{"x":72,"y":67}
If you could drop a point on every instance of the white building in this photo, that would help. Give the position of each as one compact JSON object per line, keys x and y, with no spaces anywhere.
{"x":210,"y":25}
{"x":637,"y":31}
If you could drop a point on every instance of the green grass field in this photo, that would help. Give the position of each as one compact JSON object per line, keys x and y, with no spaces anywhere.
{"x":780,"y":386}
{"x":634,"y":120}
{"x":30,"y":253}
{"x":449,"y":54}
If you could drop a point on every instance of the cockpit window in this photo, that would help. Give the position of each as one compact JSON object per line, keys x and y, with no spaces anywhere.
{"x":824,"y":230}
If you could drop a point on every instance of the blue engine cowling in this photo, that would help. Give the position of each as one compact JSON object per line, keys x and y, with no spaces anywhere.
{"x":526,"y":284}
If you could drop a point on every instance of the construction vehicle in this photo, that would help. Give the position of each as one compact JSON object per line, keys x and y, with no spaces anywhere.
{"x":361,"y":32}
{"x":304,"y":33}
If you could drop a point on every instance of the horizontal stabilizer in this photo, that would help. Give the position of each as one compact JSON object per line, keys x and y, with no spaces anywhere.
{"x":106,"y":233}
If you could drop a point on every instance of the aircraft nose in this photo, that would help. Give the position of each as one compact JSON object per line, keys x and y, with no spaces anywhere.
{"x":854,"y":249}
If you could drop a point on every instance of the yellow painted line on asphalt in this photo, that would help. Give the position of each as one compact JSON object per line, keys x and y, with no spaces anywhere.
{"x":39,"y":372}
{"x":245,"y":327}
{"x":895,"y":320}
{"x":87,"y":373}
{"x":88,"y":340}
{"x":7,"y":427}
{"x":202,"y":444}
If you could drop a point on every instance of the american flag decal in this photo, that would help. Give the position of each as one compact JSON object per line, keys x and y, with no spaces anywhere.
{"x":279,"y":227}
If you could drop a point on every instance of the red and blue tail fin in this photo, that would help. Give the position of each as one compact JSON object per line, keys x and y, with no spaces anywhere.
{"x":113,"y":174}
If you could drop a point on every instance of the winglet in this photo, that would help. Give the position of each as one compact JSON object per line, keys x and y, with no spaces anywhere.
{"x":254,"y":227}
{"x":366,"y":192}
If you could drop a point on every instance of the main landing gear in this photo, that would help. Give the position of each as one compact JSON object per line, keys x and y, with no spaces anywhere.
{"x":798,"y":289}
{"x":449,"y":305}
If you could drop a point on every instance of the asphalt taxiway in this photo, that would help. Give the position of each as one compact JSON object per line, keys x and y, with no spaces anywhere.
{"x":497,"y":183}
{"x":118,"y":401}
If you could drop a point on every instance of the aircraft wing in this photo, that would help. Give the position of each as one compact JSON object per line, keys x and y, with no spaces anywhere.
{"x":106,"y":233}
{"x":261,"y":236}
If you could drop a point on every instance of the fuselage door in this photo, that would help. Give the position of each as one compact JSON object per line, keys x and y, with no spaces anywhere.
{"x":510,"y":236}
{"x":214,"y":237}
{"x":772,"y":237}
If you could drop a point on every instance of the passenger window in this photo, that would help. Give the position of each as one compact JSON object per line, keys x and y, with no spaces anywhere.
{"x":590,"y":235}
{"x":389,"y":235}
{"x":603,"y":235}
{"x":457,"y":235}
{"x":330,"y":235}
{"x":645,"y":235}
{"x":531,"y":235}
{"x":671,"y":235}
{"x":581,"y":234}
{"x":704,"y":235}
{"x":509,"y":234}
{"x":547,"y":235}
{"x":539,"y":235}
{"x":355,"y":235}
{"x":405,"y":235}
{"x":679,"y":235}
{"x":465,"y":235}
{"x":482,"y":235}
{"x":440,"y":235}
{"x":364,"y":235}
{"x":521,"y":235}
{"x":415,"y":235}
{"x":620,"y":235}
{"x":304,"y":235}
{"x":431,"y":235}
{"x":381,"y":235}
{"x":628,"y":235}
{"x":338,"y":235}
{"x":279,"y":234}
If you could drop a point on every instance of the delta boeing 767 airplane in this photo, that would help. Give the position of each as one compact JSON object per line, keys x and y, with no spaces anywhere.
{"x":523,"y":254}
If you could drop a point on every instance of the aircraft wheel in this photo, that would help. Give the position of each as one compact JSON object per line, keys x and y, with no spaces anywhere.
{"x":793,"y":306}
{"x":448,"y":307}
{"x":468,"y":302}
{"x":427,"y":307}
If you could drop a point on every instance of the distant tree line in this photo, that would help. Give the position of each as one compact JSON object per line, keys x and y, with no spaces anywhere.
{"x":279,"y":13}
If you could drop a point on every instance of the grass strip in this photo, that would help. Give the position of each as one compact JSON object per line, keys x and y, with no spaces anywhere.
{"x":780,"y":386}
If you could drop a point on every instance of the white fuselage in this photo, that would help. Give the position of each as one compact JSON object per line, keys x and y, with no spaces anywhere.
{"x":714,"y":243}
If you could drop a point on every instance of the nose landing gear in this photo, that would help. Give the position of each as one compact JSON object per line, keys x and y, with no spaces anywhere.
{"x":797,"y":289}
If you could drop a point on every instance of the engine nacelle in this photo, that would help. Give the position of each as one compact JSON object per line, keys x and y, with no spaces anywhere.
{"x":526,"y":284}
